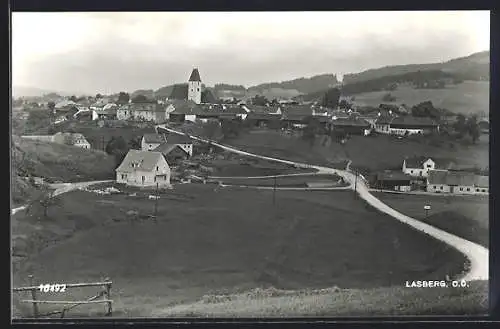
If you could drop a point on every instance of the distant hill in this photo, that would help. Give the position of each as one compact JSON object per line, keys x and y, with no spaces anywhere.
{"x":301,"y":85}
{"x":473,"y":67}
{"x":23,"y":91}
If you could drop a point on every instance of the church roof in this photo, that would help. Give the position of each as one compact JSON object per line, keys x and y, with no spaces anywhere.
{"x":195,"y":75}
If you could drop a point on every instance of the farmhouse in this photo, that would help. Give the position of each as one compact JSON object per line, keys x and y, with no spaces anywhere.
{"x":419,"y":166}
{"x":183,"y":141}
{"x":173,"y":153}
{"x":410,"y":125}
{"x":143,"y":168}
{"x":393,"y":180}
{"x":73,"y":139}
{"x":182,"y":110}
{"x":151,"y":141}
{"x":144,"y":111}
{"x":382,"y":124}
{"x":354,"y":126}
{"x":457,"y":182}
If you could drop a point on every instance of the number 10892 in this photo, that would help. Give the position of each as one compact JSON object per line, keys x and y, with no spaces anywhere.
{"x":52,"y":288}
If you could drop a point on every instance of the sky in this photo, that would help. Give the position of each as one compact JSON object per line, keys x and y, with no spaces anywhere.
{"x":125,"y":51}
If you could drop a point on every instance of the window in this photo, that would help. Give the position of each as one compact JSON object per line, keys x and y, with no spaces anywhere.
{"x":155,"y":179}
{"x":483,"y":190}
{"x":124,"y":176}
{"x":157,"y":168}
{"x":468,"y":189}
{"x":198,"y":89}
{"x":441,"y":188}
{"x":143,"y":179}
{"x":429,"y":166}
{"x":435,"y":187}
{"x":461,"y":189}
{"x":477,"y":190}
{"x":411,"y":171}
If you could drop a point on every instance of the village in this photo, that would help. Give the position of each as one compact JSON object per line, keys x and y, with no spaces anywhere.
{"x":151,"y":163}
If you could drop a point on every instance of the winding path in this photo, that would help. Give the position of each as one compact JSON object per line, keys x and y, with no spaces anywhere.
{"x":477,"y":254}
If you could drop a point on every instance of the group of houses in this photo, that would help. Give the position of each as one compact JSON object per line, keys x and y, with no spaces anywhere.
{"x":282,"y":115}
{"x":152,"y":164}
{"x":432,"y":175}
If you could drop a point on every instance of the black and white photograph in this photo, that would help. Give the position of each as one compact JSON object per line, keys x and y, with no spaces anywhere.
{"x":249,"y":164}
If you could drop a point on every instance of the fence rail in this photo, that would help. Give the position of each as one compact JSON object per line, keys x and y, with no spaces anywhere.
{"x":105,"y":293}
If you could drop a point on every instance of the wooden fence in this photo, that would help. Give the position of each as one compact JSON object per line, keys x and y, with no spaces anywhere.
{"x":104,"y":294}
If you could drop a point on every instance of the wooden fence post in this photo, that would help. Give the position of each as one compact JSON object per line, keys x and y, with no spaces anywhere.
{"x":108,"y":296}
{"x":33,"y":296}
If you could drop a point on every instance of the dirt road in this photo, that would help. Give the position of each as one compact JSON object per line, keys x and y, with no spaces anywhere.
{"x":477,"y":254}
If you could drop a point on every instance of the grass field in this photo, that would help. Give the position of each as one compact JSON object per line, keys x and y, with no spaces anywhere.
{"x":464,"y":216}
{"x":396,"y":301}
{"x":204,"y":242}
{"x":467,"y":97}
{"x":290,"y":181}
{"x":368,"y":154}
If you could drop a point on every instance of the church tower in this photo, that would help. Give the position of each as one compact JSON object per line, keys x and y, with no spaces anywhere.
{"x":194,"y":87}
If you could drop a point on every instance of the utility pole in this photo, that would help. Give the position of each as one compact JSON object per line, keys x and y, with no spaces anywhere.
{"x":355,"y":183}
{"x":156,"y":201}
{"x":274,"y":191}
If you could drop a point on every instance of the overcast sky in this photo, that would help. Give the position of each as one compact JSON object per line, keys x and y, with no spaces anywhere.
{"x":110,"y":52}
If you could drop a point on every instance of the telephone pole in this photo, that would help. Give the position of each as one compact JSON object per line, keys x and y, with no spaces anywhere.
{"x":156,"y":201}
{"x":274,"y":191}
{"x":355,"y":183}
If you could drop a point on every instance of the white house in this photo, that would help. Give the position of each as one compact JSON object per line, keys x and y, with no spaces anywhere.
{"x":151,"y":141}
{"x":442,"y":181}
{"x":144,"y":169}
{"x":418,"y":166}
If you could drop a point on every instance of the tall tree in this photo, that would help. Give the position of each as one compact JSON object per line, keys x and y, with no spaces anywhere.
{"x":260,"y":100}
{"x":473,"y":128}
{"x":331,"y":98}
{"x":140,"y":99}
{"x":208,"y":97}
{"x":123,"y":97}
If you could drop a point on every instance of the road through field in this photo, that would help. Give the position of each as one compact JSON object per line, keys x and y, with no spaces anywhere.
{"x":477,"y":254}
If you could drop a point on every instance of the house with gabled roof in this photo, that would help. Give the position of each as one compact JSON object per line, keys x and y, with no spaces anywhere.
{"x":420,"y":166}
{"x":151,"y":141}
{"x":143,"y":169}
{"x":183,"y":141}
{"x":411,"y":125}
{"x":173,"y":153}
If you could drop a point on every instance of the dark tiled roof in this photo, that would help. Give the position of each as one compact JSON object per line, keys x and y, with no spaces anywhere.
{"x":441,"y":163}
{"x":453,"y":178}
{"x":384,"y":120}
{"x":264,"y":116}
{"x":262,"y":109}
{"x":150,"y":107}
{"x":178,"y":139}
{"x":166,"y":148}
{"x":393,"y":176}
{"x":145,"y":160}
{"x":298,"y":109}
{"x":295,"y":117}
{"x":352,"y":122}
{"x":195,"y":75}
{"x":409,"y":122}
{"x":154,"y":138}
{"x":184,"y":107}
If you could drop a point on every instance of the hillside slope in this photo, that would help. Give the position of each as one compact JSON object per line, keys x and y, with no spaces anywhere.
{"x":55,"y":162}
{"x":473,"y":67}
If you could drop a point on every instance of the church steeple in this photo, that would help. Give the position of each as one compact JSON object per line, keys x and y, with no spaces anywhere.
{"x":194,"y":87}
